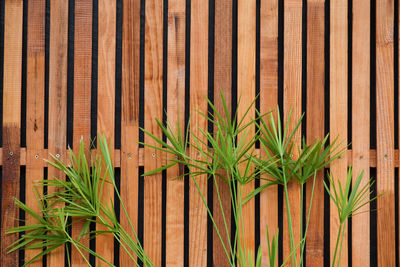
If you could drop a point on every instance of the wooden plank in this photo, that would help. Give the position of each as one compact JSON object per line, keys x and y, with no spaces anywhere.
{"x":292,"y":101}
{"x":198,"y":103}
{"x":35,"y":87}
{"x":130,"y":118}
{"x":82,"y":99}
{"x":153,"y":109}
{"x":315,"y":126}
{"x":12,"y":64}
{"x":246,"y":93}
{"x":106,"y":104}
{"x":58,"y":98}
{"x":268,"y":102}
{"x":338,"y":106}
{"x":222,"y":83}
{"x":175,"y":115}
{"x":361,"y":125}
{"x":385,"y":132}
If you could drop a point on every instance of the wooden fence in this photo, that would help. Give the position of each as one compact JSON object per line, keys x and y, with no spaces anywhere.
{"x":73,"y":68}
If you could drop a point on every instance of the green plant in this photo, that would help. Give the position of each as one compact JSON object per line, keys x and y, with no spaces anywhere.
{"x":80,"y":197}
{"x":348,"y":201}
{"x":230,"y":148}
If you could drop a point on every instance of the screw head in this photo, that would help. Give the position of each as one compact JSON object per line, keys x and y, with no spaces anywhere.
{"x":153,"y":155}
{"x":57,"y":155}
{"x":129,"y":155}
{"x":11,"y":153}
{"x":36,"y":156}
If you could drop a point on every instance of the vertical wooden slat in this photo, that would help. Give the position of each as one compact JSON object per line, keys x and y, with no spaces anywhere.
{"x":175,"y":115}
{"x":292,"y":101}
{"x":361,"y":125}
{"x":338,"y":107}
{"x":11,"y":126}
{"x":35,"y":88}
{"x":153,"y":109}
{"x":246,"y":93}
{"x":82,"y":98}
{"x":198,"y":103}
{"x":130,"y":118}
{"x":57,"y":98}
{"x":268,"y":102}
{"x":222,"y":83}
{"x":385,"y":132}
{"x":315,"y":125}
{"x":106,"y":105}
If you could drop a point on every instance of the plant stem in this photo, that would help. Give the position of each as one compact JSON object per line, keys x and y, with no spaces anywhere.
{"x":337,"y":244}
{"x":292,"y":247}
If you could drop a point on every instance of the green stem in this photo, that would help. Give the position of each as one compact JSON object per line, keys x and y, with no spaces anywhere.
{"x":292,"y":246}
{"x":337,"y":244}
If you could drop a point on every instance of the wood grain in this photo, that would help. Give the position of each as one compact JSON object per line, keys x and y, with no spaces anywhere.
{"x":246,"y":94}
{"x":385,"y":132}
{"x":292,"y":101}
{"x":268,"y":102}
{"x":338,"y":107}
{"x":57,"y":98}
{"x":175,"y":116}
{"x":198,"y":103}
{"x":222,"y":83}
{"x":315,"y":126}
{"x":106,"y":105}
{"x":153,"y":109}
{"x":82,"y":98}
{"x":10,"y":181}
{"x":361,"y":125}
{"x":35,"y":87}
{"x":130,"y":118}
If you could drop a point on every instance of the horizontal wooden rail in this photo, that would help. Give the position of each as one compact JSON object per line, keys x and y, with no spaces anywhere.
{"x":117,"y":154}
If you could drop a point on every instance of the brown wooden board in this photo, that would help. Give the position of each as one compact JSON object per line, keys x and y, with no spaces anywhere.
{"x":338,"y":108}
{"x":106,"y":106}
{"x":57,"y":99}
{"x":315,"y":126}
{"x":198,"y":103}
{"x":12,"y":64}
{"x":292,"y":102}
{"x":361,"y":126}
{"x":268,"y":102}
{"x":35,"y":87}
{"x":82,"y":98}
{"x":175,"y":116}
{"x":222,"y":84}
{"x":385,"y":132}
{"x":130,"y":119}
{"x":246,"y":94}
{"x":153,"y":88}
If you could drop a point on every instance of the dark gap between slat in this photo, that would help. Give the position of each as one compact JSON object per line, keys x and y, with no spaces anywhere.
{"x":46,"y":75}
{"x":373,"y":222}
{"x":23,"y":74}
{"x":92,"y":240}
{"x":45,"y":177}
{"x":396,"y":74}
{"x":141,"y":71}
{"x":2,"y":5}
{"x":117,"y":205}
{"x":22,"y":198}
{"x":70,"y":73}
{"x":327,"y":223}
{"x":164,"y":138}
{"x":280,"y":105}
{"x":210,"y":95}
{"x":396,"y":213}
{"x":187,"y":116}
{"x":349,"y":77}
{"x":234,"y":88}
{"x":349,"y":231}
{"x":93,"y":95}
{"x":140,"y":209}
{"x":373,"y":77}
{"x":257,"y":144}
{"x":118,"y":76}
{"x":304,"y":70}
